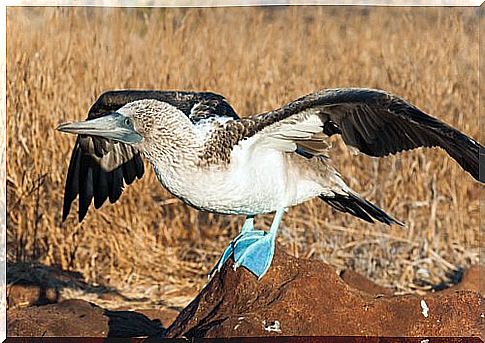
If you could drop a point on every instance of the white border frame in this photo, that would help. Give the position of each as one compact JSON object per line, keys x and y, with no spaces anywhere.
{"x":140,"y":3}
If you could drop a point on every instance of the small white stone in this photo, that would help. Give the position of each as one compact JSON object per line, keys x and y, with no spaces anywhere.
{"x":276,"y":327}
{"x":425,"y":308}
{"x":423,"y":273}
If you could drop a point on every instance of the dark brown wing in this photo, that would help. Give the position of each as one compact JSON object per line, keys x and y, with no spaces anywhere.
{"x":373,"y":121}
{"x":195,"y":105}
{"x":99,"y":167}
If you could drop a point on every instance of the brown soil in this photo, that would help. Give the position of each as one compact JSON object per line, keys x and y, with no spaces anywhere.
{"x":296,"y":297}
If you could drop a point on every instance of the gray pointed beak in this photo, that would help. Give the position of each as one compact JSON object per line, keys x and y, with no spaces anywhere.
{"x":112,"y":126}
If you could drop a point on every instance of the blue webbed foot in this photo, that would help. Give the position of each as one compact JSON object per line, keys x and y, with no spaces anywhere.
{"x":224,"y":257}
{"x":247,"y":227}
{"x":253,"y":249}
{"x":255,"y":252}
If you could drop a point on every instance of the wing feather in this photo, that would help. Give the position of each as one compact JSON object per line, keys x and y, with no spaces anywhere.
{"x":372,"y":121}
{"x":85,"y":189}
{"x":71,"y":189}
{"x":101,"y":191}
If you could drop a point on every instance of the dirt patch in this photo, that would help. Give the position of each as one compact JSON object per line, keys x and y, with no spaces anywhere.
{"x":296,"y":297}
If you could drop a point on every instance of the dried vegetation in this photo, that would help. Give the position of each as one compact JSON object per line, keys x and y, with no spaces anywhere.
{"x":154,"y":248}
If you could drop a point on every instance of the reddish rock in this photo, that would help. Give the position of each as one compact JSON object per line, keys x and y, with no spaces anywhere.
{"x":76,"y":318}
{"x":300,"y":297}
{"x":360,"y":282}
{"x":67,"y":318}
{"x":296,"y":297}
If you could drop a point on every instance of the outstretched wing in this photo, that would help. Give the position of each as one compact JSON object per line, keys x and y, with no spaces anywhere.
{"x":372,"y":121}
{"x":99,"y":167}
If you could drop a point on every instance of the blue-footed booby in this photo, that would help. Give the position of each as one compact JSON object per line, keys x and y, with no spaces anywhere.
{"x":211,"y":159}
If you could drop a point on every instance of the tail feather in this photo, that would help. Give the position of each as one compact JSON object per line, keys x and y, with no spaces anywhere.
{"x":352,"y":203}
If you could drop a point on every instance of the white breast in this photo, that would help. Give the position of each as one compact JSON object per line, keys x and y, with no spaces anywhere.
{"x":256,"y":181}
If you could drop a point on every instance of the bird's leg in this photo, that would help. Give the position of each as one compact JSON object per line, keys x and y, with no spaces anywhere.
{"x":248,"y":227}
{"x":256,"y":251}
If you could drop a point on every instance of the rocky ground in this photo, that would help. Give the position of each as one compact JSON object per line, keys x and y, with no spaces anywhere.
{"x":296,"y":297}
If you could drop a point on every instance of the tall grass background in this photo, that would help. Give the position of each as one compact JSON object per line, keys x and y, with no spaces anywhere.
{"x":152,"y":247}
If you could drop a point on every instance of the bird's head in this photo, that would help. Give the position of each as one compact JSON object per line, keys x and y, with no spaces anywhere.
{"x":137,"y":123}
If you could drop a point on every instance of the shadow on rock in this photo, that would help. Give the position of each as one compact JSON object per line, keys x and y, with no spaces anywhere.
{"x":133,"y":324}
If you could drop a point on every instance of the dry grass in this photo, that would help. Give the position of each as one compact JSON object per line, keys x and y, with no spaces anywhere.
{"x":59,"y":60}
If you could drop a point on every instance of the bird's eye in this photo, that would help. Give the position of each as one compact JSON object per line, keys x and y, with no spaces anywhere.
{"x":128,"y":122}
